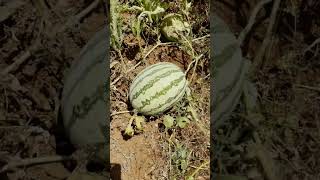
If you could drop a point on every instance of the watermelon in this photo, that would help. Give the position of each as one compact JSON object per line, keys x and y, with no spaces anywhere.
{"x":228,"y":72}
{"x":84,"y":106}
{"x":157,"y":88}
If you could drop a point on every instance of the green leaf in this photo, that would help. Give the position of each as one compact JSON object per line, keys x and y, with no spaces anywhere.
{"x":184,"y":164}
{"x":154,"y":9}
{"x":182,"y":122}
{"x":129,"y":131}
{"x":115,"y":25}
{"x":190,"y":178}
{"x":173,"y":27}
{"x":168,"y":121}
{"x":139,"y":120}
{"x":136,"y":27}
{"x":183,"y":153}
{"x":186,"y":7}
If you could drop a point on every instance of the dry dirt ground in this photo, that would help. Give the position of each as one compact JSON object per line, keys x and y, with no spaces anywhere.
{"x":288,"y":78}
{"x":150,"y":154}
{"x":288,"y":84}
{"x":30,"y":91}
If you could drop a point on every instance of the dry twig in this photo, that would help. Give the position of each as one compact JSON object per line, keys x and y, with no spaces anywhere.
{"x":317,"y":41}
{"x":76,"y":19}
{"x":259,"y":57}
{"x":19,"y":60}
{"x":308,"y":87}
{"x":251,"y":22}
{"x":33,"y":161}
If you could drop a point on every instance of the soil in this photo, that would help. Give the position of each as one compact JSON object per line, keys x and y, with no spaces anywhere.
{"x":148,"y":155}
{"x":31,"y":92}
{"x":287,"y":118}
{"x":139,"y":157}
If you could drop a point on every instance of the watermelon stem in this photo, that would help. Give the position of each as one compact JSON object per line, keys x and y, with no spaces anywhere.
{"x":195,"y":116}
{"x":196,"y":60}
{"x":129,"y":130}
{"x":195,"y":66}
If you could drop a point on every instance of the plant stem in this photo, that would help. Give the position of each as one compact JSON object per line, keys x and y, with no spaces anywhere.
{"x":200,"y":167}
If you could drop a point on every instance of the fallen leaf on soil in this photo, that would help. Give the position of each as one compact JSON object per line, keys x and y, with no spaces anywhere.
{"x":41,"y":101}
{"x":56,"y":170}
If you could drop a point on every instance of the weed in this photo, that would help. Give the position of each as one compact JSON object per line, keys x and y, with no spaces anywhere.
{"x":150,"y":12}
{"x":116,"y":25}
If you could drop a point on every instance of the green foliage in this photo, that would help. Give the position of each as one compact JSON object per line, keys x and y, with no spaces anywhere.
{"x":116,"y":25}
{"x":129,"y":131}
{"x":186,"y":7}
{"x":171,"y":122}
{"x":174,"y":27}
{"x":138,"y":121}
{"x":136,"y":27}
{"x":150,"y":11}
{"x":180,"y":157}
{"x":182,"y":122}
{"x":168,"y":121}
{"x":153,"y":8}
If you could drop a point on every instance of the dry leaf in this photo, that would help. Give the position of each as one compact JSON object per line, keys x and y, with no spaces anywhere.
{"x":41,"y":101}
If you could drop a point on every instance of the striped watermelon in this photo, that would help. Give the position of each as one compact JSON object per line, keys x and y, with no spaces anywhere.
{"x":83,"y":99}
{"x":228,"y":71}
{"x":157,"y":88}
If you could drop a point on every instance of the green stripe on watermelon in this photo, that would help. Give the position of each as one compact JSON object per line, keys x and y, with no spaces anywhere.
{"x":169,"y":102}
{"x":162,"y":92}
{"x":137,"y":81}
{"x":150,"y":68}
{"x":152,"y":82}
{"x":229,"y":102}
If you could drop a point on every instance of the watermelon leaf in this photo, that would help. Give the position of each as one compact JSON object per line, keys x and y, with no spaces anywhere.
{"x":129,"y":131}
{"x":139,"y":120}
{"x":168,"y":121}
{"x":182,"y":122}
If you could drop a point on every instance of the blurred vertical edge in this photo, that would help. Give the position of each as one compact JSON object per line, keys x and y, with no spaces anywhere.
{"x":211,"y":64}
{"x":108,"y":79}
{"x":85,"y":99}
{"x":107,"y":91}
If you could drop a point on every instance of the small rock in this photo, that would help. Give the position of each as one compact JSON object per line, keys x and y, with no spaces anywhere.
{"x":29,"y":70}
{"x":56,"y":170}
